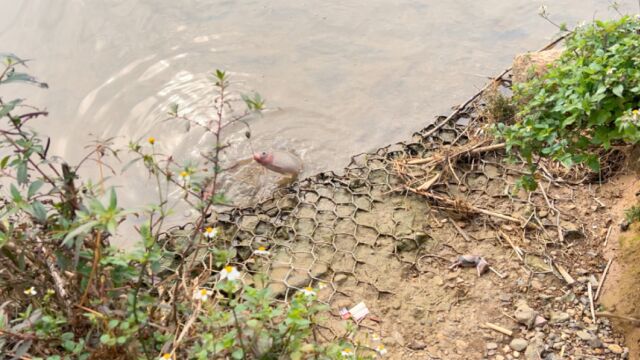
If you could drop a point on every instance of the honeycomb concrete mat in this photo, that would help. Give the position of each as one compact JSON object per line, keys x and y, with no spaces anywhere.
{"x":378,"y":234}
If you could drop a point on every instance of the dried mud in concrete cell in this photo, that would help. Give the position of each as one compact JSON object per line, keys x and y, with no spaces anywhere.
{"x":387,"y":231}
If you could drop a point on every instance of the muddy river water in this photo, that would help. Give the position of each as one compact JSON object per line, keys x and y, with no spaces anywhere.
{"x":340,"y":77}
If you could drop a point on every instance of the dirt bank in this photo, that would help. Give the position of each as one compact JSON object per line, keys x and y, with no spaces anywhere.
{"x":621,"y":293}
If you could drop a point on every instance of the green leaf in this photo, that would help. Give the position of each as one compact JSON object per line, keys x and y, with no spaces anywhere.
{"x":21,"y":173}
{"x":8,"y":107}
{"x":34,"y":187}
{"x":4,"y":162}
{"x":15,"y":193}
{"x":39,"y":212}
{"x":238,"y":354}
{"x":113,"y":200}
{"x":22,"y":77}
{"x":618,"y":89}
{"x":594,"y":163}
{"x":82,"y":229}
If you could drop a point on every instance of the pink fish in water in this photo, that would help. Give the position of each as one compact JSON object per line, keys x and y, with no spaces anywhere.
{"x":281,"y":162}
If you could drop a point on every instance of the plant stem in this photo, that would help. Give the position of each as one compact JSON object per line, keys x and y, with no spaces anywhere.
{"x":94,"y":267}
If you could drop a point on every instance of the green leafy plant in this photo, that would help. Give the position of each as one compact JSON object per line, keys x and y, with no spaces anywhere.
{"x":587,"y":100}
{"x":632,"y":214}
{"x":66,"y":293}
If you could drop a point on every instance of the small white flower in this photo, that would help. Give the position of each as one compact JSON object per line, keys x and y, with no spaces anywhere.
{"x":184,"y":177}
{"x":211,"y":232}
{"x":380,"y":349}
{"x":31,"y":291}
{"x":262,"y":251}
{"x":308,"y":291}
{"x":347,"y":352}
{"x":230,"y":273}
{"x":202,"y":294}
{"x":375,"y":337}
{"x":321,"y":286}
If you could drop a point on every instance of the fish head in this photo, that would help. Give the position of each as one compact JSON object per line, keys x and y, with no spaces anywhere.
{"x":263,"y":157}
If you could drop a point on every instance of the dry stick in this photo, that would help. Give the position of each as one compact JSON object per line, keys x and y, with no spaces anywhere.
{"x":621,"y":317}
{"x":590,"y":291}
{"x":427,"y":184}
{"x":499,"y":329}
{"x":186,"y":328}
{"x":58,"y":281}
{"x":565,"y":274}
{"x":459,"y":229}
{"x":439,"y":158}
{"x":454,"y":204}
{"x":515,"y":248}
{"x":602,"y":278}
{"x":501,"y":276}
{"x":606,"y":238}
{"x":488,"y":148}
{"x":558,"y":227}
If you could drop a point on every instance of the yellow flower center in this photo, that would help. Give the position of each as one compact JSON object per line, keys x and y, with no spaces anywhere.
{"x":228,"y":268}
{"x":309,"y":288}
{"x":262,"y":248}
{"x":347,"y":350}
{"x":151,"y":140}
{"x":635,"y":112}
{"x":203,"y":292}
{"x":166,"y":356}
{"x":209,"y":230}
{"x":184,"y":174}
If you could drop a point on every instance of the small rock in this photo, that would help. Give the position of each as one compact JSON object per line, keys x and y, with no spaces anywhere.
{"x":615,"y":348}
{"x":624,"y":226}
{"x":492,"y":346}
{"x":417,"y":345}
{"x":582,"y":271}
{"x":518,"y":344}
{"x":499,"y":357}
{"x":558,"y":317}
{"x":591,"y":339}
{"x":418,"y":312}
{"x":461,"y":344}
{"x":540,"y":321}
{"x":398,"y":338}
{"x":452,"y":276}
{"x":535,"y":348}
{"x":340,"y":278}
{"x":525,"y":315}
